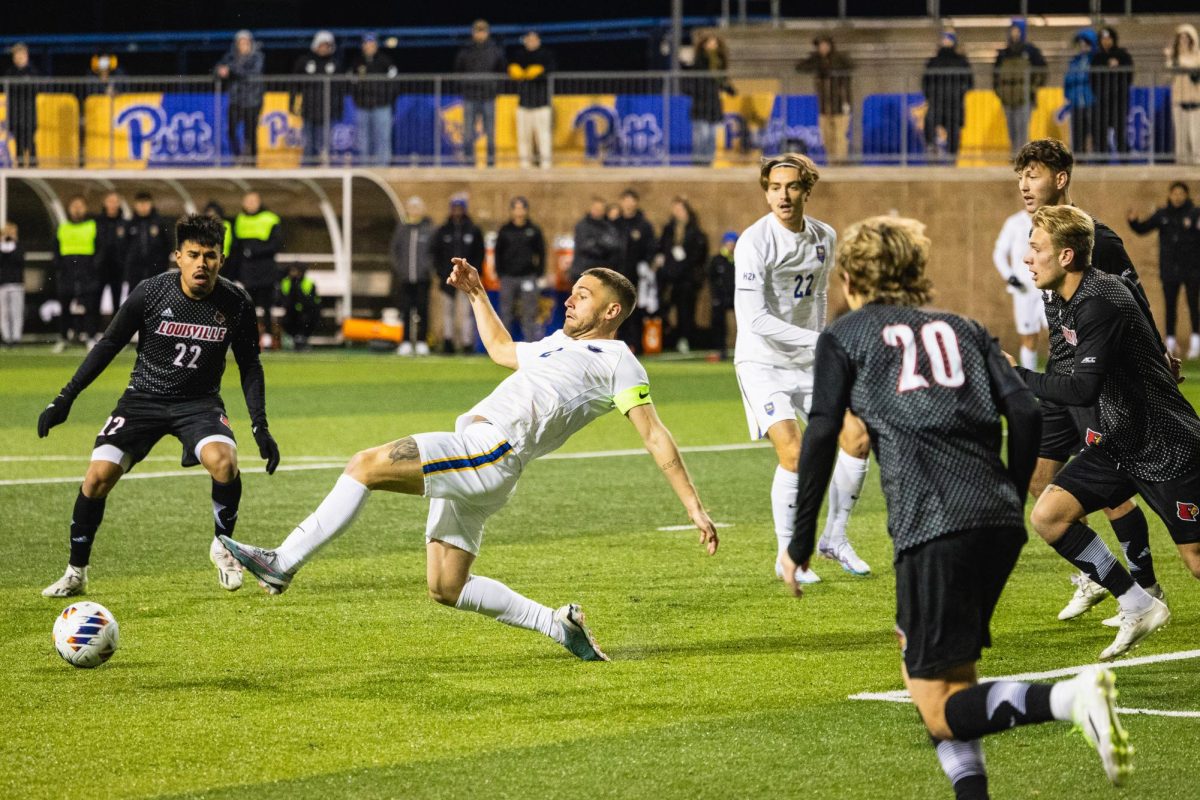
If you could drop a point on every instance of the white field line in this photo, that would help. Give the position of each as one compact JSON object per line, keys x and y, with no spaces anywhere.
{"x":901,"y":695}
{"x":332,"y":462}
{"x":692,"y":527}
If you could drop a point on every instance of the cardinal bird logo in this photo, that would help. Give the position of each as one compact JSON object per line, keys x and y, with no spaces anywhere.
{"x":1070,"y":336}
{"x":1093,"y":437}
{"x":1188,"y":512}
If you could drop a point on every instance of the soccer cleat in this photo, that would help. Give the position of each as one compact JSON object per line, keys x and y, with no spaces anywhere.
{"x":73,"y":582}
{"x":576,"y":636}
{"x":422,"y":348}
{"x":405,"y":348}
{"x":1154,"y":591}
{"x":263,"y":564}
{"x":229,"y":571}
{"x":803,"y":575}
{"x":1193,"y":347}
{"x":1094,"y":713}
{"x":1135,"y":627}
{"x":844,"y":554}
{"x":1087,"y":594}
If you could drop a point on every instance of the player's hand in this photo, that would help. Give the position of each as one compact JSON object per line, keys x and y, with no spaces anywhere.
{"x":464,"y":277}
{"x":1015,"y":283}
{"x":54,"y":414}
{"x":1012,"y":362}
{"x":708,"y":531}
{"x":1176,"y":366}
{"x":789,"y":574}
{"x":267,"y":448}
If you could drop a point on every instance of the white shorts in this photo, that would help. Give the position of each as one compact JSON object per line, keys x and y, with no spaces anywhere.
{"x":771,"y":394}
{"x":1029,"y":311}
{"x":468,"y":477}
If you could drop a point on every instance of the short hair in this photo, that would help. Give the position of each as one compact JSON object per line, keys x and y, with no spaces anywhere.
{"x":619,"y":285}
{"x":631,"y":192}
{"x":1069,"y":228}
{"x":1052,"y":153}
{"x":1181,"y":185}
{"x":884,"y":260}
{"x":519,"y":199}
{"x":143,"y":195}
{"x":809,"y":175}
{"x":201,"y":229}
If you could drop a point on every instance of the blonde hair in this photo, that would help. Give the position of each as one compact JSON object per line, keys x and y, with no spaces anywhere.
{"x":809,"y":175}
{"x":884,"y":260}
{"x":1069,"y":229}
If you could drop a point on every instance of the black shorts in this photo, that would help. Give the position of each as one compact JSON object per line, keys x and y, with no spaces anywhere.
{"x":1060,"y":433}
{"x":140,"y":420}
{"x":946,"y":591}
{"x":1096,"y":481}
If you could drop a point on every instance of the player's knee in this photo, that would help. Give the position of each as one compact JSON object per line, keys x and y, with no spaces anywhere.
{"x":934,"y":717}
{"x":222,"y":468}
{"x":360,"y":466}
{"x":443,"y":594}
{"x":1047,"y":521}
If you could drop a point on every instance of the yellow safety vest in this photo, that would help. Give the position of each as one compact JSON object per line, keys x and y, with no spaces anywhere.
{"x":77,"y":238}
{"x":257,"y":226}
{"x":228,"y":238}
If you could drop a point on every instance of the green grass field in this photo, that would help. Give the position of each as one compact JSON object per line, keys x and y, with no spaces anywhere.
{"x":354,"y":684}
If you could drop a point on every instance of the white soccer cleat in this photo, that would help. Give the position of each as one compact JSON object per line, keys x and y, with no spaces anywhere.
{"x":72,"y":583}
{"x":405,"y":348}
{"x":229,"y":571}
{"x":1087,"y":594}
{"x":1155,"y":591}
{"x":1095,"y":714}
{"x":844,"y":554}
{"x":803,"y":575}
{"x":576,"y":636}
{"x":1136,"y":627}
{"x":422,"y":348}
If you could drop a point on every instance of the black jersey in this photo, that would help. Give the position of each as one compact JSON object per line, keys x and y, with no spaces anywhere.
{"x":930,"y":387}
{"x":1142,"y":422}
{"x":182,"y":343}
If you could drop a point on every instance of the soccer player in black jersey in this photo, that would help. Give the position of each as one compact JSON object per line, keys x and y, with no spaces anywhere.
{"x":1044,"y":168}
{"x":186,"y":321}
{"x":930,"y":387}
{"x":1142,"y":436}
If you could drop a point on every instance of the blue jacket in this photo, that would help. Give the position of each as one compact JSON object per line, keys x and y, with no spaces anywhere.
{"x":1077,"y":83}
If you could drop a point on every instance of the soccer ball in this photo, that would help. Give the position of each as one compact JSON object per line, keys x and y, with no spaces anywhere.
{"x":85,"y":634}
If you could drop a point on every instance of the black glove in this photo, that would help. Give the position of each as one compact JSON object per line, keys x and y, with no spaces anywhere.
{"x":267,"y":447}
{"x":55,"y":414}
{"x":1015,"y":282}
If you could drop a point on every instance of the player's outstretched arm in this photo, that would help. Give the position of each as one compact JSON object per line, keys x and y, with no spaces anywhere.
{"x":245,"y":352}
{"x":661,"y":445}
{"x":496,"y":338}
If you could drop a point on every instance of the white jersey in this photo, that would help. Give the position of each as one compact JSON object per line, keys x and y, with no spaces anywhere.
{"x":780,"y":302}
{"x":1011,"y":246}
{"x":560,"y":385}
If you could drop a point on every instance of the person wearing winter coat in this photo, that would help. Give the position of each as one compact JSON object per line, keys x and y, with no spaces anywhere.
{"x":482,"y":55}
{"x":412,"y":271}
{"x":318,"y":103}
{"x":597,"y":241}
{"x":1183,"y":59}
{"x":1077,"y":88}
{"x":1178,"y":226}
{"x":12,"y":286}
{"x":240,"y":71}
{"x":832,"y":72}
{"x":946,"y":81}
{"x":1112,"y":74}
{"x":459,"y":237}
{"x":682,"y":256}
{"x":705,"y":92}
{"x":520,"y":262}
{"x":1019,"y":72}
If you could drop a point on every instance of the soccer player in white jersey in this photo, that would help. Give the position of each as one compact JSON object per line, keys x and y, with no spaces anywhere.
{"x":560,"y":384}
{"x":782,"y":263}
{"x":1028,"y":309}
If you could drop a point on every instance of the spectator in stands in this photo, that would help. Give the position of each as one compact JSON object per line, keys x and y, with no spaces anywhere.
{"x":682,"y":257}
{"x":520,"y":263}
{"x":240,"y":71}
{"x":481,"y":56}
{"x":301,"y":306}
{"x":213,"y":209}
{"x":257,"y":240}
{"x":705,"y":93}
{"x":106,"y":69}
{"x":111,"y":230}
{"x":412,"y":271}
{"x":76,"y":281}
{"x":1112,"y":75}
{"x":1019,"y":72}
{"x":318,"y":103}
{"x":1178,"y":226}
{"x":149,"y":242}
{"x":597,"y":241}
{"x":374,"y":95}
{"x":529,"y":68}
{"x":1183,"y":59}
{"x":12,"y":286}
{"x":458,"y":237}
{"x":832,"y":71}
{"x":721,"y":279}
{"x":638,"y":247}
{"x":22,"y":106}
{"x":946,"y":81}
{"x":1077,"y":88}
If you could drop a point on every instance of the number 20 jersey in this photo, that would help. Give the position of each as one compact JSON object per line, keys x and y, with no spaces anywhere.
{"x":921,"y":382}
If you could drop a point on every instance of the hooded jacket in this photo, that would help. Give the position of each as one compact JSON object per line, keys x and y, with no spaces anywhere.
{"x":459,"y":238}
{"x":1077,"y":84}
{"x":1185,"y":85}
{"x":1112,"y":72}
{"x":946,"y":81}
{"x":1019,"y":65}
{"x":244,"y":85}
{"x":311,"y":93}
{"x":1178,"y":239}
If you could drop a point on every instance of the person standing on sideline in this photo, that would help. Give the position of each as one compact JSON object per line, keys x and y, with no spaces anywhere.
{"x":783,"y":262}
{"x":1077,"y":89}
{"x":832,"y":74}
{"x":186,"y":322}
{"x":258,"y":239}
{"x":559,"y":384}
{"x":241,"y":71}
{"x":22,"y":105}
{"x":12,"y":286}
{"x":111,"y":231}
{"x":481,"y":56}
{"x":597,"y":241}
{"x":682,"y":257}
{"x":1009,"y":258}
{"x":638,"y":247}
{"x":1178,"y":226}
{"x":1019,"y":72}
{"x":721,"y":277}
{"x":77,"y":283}
{"x":459,"y":237}
{"x":374,"y":95}
{"x":301,"y":306}
{"x":213,"y":209}
{"x":529,"y":68}
{"x":317,"y":102}
{"x":412,"y":271}
{"x":147,"y":242}
{"x":1183,"y":60}
{"x":1112,"y":75}
{"x":520,"y":263}
{"x":931,"y":387}
{"x":946,"y":81}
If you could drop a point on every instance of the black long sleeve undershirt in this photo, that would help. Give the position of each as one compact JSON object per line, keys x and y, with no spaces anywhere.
{"x":1024,"y":417}
{"x":120,"y":331}
{"x":1099,"y":330}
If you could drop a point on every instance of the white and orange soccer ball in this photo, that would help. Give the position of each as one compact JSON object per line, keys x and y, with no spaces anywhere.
{"x":85,"y":634}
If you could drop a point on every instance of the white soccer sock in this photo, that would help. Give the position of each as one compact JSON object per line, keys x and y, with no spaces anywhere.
{"x":1062,"y":699}
{"x":336,"y":512}
{"x":848,"y":476}
{"x":783,"y":506}
{"x":493,"y":599}
{"x":1136,"y":600}
{"x":1028,"y":358}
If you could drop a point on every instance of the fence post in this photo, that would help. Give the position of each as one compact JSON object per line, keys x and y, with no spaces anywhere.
{"x":1153,"y":117}
{"x":327,"y":145}
{"x":668,"y":90}
{"x":437,"y":121}
{"x":221,"y":124}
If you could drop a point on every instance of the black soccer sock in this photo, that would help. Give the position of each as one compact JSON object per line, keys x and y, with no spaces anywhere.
{"x":85,"y":519}
{"x":1134,"y":536}
{"x":225,"y":499}
{"x":997,"y":706}
{"x":1082,"y":547}
{"x":963,"y":764}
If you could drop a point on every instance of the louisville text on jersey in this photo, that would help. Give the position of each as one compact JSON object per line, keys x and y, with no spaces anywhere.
{"x":187,"y":330}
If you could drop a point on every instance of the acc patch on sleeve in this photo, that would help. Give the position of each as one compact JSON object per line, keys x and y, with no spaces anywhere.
{"x":633,"y":396}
